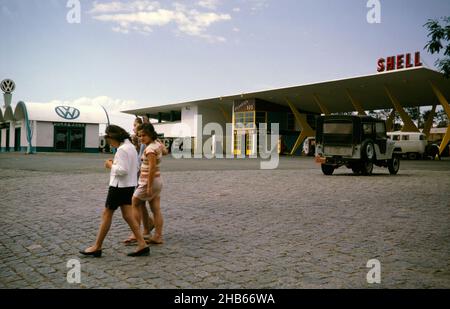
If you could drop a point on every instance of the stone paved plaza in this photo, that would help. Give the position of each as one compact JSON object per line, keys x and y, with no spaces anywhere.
{"x":229,"y":224}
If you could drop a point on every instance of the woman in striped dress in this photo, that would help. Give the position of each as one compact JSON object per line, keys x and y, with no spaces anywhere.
{"x":150,"y":183}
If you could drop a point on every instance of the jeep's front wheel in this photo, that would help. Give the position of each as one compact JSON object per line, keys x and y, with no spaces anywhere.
{"x":367,"y":168}
{"x":327,"y":169}
{"x":394,"y":165}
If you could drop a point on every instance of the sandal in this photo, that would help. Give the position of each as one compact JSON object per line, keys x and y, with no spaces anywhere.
{"x":154,"y":241}
{"x":130,"y":241}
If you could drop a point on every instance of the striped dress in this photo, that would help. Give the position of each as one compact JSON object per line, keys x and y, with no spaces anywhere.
{"x":153,"y":148}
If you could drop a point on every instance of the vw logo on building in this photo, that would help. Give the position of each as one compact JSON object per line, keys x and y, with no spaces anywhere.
{"x":67,"y":112}
{"x":8,"y":85}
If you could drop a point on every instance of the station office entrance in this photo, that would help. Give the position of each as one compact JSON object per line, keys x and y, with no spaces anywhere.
{"x":249,"y":114}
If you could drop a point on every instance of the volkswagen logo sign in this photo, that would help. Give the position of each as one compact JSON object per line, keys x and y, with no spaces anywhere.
{"x":8,"y":85}
{"x":67,"y":112}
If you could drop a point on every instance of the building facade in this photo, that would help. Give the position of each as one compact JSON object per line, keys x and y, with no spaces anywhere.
{"x":44,"y":127}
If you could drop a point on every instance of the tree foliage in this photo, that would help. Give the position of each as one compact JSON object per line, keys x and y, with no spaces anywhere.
{"x":440,"y":40}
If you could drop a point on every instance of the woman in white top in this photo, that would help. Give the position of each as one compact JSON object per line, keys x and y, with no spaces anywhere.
{"x":122,"y":183}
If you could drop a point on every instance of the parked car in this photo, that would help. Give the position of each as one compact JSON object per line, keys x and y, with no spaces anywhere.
{"x":411,"y":144}
{"x":357,"y":142}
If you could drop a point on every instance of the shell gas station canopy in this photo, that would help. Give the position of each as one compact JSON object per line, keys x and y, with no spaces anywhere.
{"x":411,"y":87}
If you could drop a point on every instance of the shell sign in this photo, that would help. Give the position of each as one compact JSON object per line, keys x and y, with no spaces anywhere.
{"x":399,"y":62}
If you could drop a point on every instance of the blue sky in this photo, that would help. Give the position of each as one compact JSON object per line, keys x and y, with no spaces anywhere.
{"x":130,"y":54}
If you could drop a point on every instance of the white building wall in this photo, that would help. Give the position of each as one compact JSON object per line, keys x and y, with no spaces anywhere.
{"x":12,"y":135}
{"x":169,"y":129}
{"x":91,"y":136}
{"x":190,"y":125}
{"x":35,"y":133}
{"x":45,"y":136}
{"x":187,"y":127}
{"x":23,"y":133}
{"x":213,"y":114}
{"x":189,"y":118}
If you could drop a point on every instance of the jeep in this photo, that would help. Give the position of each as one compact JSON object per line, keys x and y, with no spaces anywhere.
{"x":358,"y":142}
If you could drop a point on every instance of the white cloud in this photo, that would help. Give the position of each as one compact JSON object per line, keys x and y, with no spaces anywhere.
{"x":117,"y":6}
{"x":120,"y":30}
{"x":257,"y":5}
{"x":142,"y":16}
{"x":237,"y":10}
{"x":209,"y":4}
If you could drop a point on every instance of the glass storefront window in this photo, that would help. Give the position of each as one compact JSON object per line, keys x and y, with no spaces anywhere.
{"x":76,"y":139}
{"x":244,"y":119}
{"x":61,"y":139}
{"x":69,"y":138}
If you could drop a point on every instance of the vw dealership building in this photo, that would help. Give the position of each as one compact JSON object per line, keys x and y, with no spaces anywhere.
{"x":38,"y":127}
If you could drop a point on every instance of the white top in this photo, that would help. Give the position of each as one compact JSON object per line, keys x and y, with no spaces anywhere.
{"x":125,"y":166}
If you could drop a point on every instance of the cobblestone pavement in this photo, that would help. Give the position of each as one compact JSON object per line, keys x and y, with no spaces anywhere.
{"x":229,"y":225}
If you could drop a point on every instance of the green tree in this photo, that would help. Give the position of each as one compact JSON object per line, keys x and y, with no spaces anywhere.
{"x":414,"y":113}
{"x":442,"y":119}
{"x":439,"y":37}
{"x":425,"y":115}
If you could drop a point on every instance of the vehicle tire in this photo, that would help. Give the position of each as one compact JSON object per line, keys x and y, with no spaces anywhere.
{"x":327,"y":169}
{"x":412,"y":156}
{"x":368,"y":151}
{"x":394,"y":165}
{"x":367,"y":168}
{"x":432,"y":151}
{"x":356,"y":168}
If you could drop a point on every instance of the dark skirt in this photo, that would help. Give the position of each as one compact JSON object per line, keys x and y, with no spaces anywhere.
{"x":118,"y":197}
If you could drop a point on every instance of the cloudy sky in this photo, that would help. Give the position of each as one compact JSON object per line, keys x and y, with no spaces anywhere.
{"x":138,"y":53}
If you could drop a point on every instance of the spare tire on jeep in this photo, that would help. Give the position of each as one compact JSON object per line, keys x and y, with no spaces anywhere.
{"x":368,"y":151}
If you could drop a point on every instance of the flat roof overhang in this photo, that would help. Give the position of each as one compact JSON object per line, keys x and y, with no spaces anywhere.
{"x":410,"y":86}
